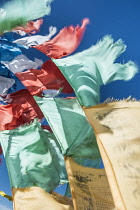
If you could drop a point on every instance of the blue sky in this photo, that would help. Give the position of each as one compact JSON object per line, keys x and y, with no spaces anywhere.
{"x":120,"y":18}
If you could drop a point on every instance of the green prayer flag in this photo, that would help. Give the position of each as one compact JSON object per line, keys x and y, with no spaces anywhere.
{"x":18,"y":12}
{"x":88,"y":70}
{"x":31,"y":157}
{"x":70,"y":126}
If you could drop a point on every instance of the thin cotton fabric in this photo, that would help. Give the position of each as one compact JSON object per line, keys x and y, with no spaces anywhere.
{"x":30,"y":157}
{"x":8,"y":53}
{"x":89,"y":187}
{"x":69,"y":124}
{"x":34,"y":198}
{"x":65,"y":42}
{"x":21,"y":63}
{"x":21,"y":109}
{"x":5,"y":72}
{"x":5,"y":84}
{"x":118,"y":135}
{"x":19,"y":12}
{"x":37,"y":39}
{"x":7,"y":39}
{"x":49,"y":77}
{"x":31,"y":27}
{"x":88,"y":70}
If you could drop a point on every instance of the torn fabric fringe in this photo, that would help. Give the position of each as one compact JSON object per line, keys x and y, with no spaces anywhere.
{"x":37,"y":39}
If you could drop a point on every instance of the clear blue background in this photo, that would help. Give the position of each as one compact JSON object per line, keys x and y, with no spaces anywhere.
{"x":120,"y":18}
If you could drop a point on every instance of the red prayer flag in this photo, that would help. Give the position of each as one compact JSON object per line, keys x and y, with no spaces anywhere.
{"x":49,"y":77}
{"x":31,"y":27}
{"x":23,"y":109}
{"x":65,"y":42}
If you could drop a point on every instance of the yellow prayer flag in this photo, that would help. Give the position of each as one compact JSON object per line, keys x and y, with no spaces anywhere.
{"x":89,"y":187}
{"x":116,"y":126}
{"x":35,"y":198}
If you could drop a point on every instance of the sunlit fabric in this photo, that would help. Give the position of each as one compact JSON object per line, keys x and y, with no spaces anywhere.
{"x":21,"y":63}
{"x":49,"y":77}
{"x":18,"y":12}
{"x":70,"y":126}
{"x":65,"y":42}
{"x":31,"y":27}
{"x":37,"y":39}
{"x":21,"y":109}
{"x":89,"y":186}
{"x":5,"y":84}
{"x":23,"y":96}
{"x":5,"y":72}
{"x":7,"y":52}
{"x":35,"y":198}
{"x":118,"y":137}
{"x":88,"y":70}
{"x":30,"y":157}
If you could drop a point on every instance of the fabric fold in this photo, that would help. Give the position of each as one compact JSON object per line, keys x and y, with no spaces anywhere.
{"x":9,"y":52}
{"x":36,"y":39}
{"x":89,"y":187}
{"x":31,"y":27}
{"x":30,"y":157}
{"x":5,"y":84}
{"x":5,"y":72}
{"x":35,"y":198}
{"x":19,"y":12}
{"x":65,"y":42}
{"x":21,"y":63}
{"x":71,"y":128}
{"x":21,"y":109}
{"x":117,"y":131}
{"x":49,"y":77}
{"x":88,"y":70}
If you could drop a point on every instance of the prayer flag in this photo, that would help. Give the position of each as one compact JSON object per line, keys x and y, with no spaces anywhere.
{"x":21,"y":63}
{"x":71,"y":128}
{"x":88,"y":70}
{"x":49,"y":77}
{"x":65,"y":42}
{"x":30,"y":157}
{"x":21,"y":109}
{"x":117,"y":130}
{"x":33,"y":198}
{"x":19,"y":12}
{"x":37,"y":39}
{"x":89,"y":187}
{"x":31,"y":27}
